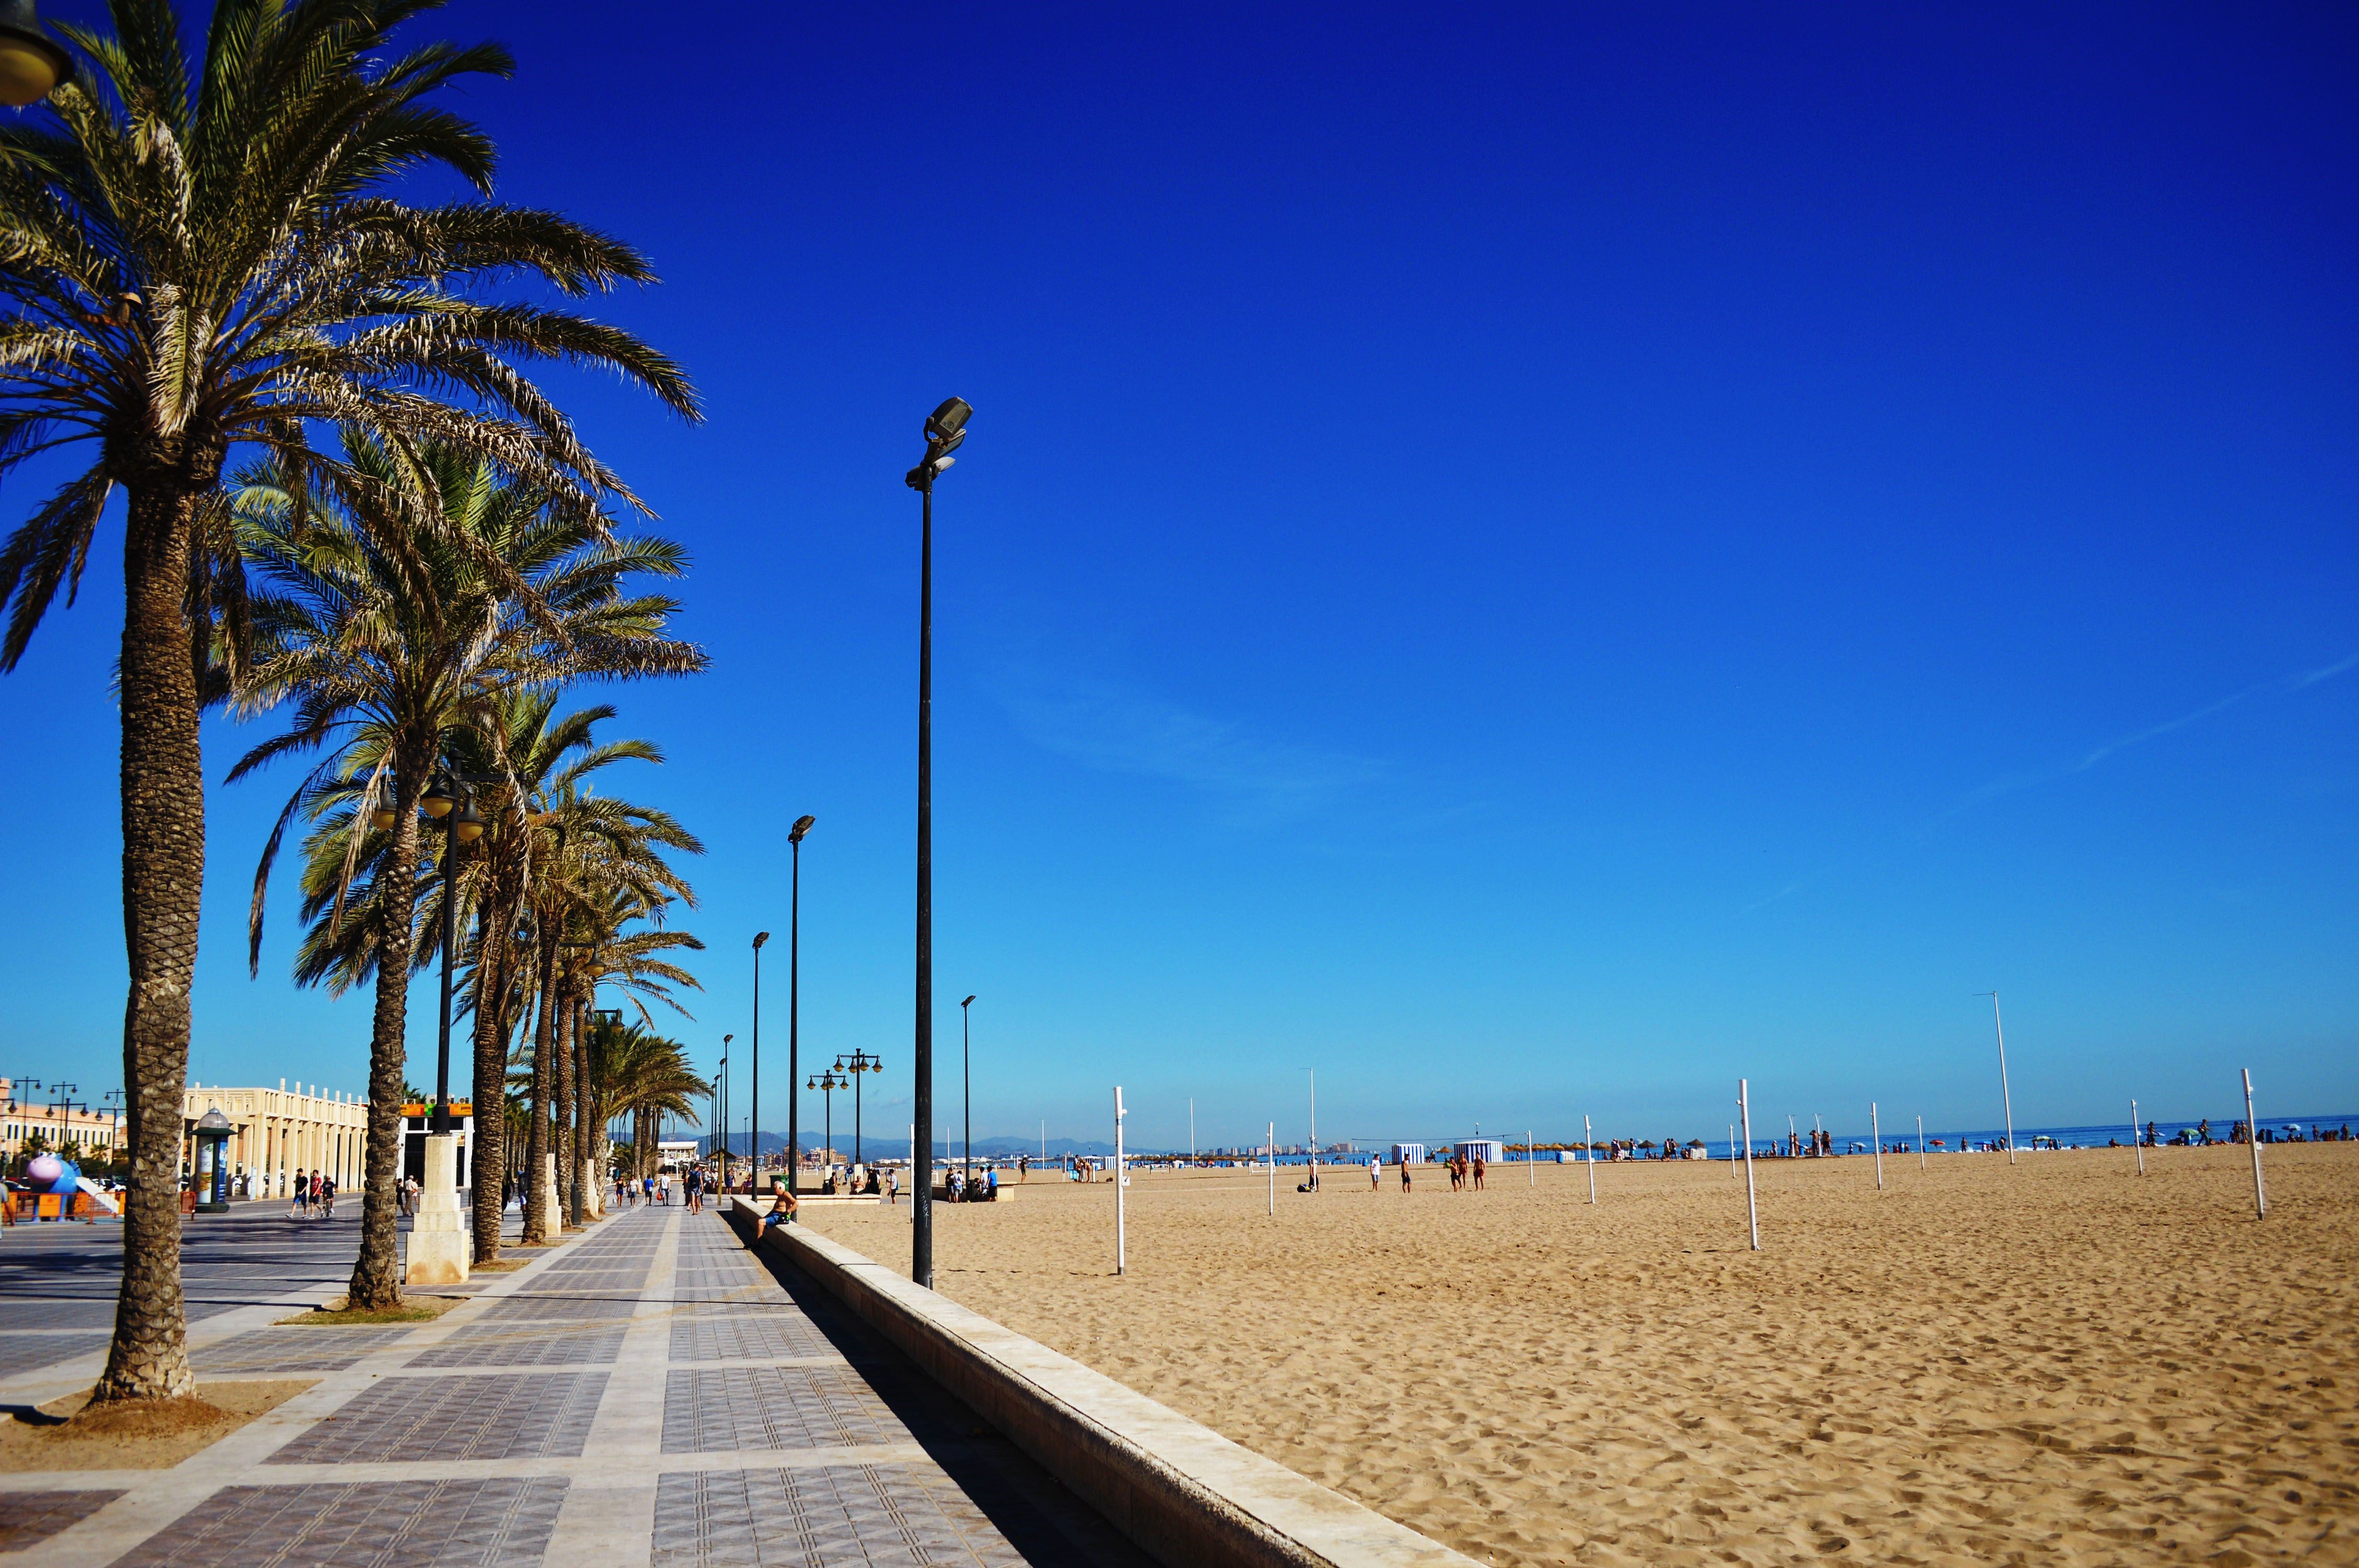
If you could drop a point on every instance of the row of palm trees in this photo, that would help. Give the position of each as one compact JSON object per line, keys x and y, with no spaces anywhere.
{"x":425,"y":670}
{"x":207,"y":259}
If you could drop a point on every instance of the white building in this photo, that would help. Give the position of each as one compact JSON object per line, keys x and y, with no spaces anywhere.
{"x":676,"y":1153}
{"x":1409,"y":1154}
{"x":1490,"y":1151}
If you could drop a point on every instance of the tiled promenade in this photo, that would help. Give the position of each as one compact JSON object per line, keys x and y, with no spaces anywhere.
{"x":648,"y":1395}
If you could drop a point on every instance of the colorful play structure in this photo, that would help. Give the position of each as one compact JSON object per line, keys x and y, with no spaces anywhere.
{"x":60,"y":1192}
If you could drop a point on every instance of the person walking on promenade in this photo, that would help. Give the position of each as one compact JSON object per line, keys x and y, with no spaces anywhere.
{"x":327,"y":1197}
{"x":300,"y":1200}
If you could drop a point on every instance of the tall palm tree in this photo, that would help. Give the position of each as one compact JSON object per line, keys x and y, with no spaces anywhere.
{"x":640,"y":1073}
{"x":546,"y":756}
{"x":202,"y":252}
{"x":609,"y":871}
{"x":386,"y":655}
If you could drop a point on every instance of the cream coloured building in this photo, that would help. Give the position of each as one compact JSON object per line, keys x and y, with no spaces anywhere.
{"x":283,"y":1131}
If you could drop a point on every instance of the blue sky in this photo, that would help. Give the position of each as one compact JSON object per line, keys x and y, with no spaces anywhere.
{"x":1534,"y":562}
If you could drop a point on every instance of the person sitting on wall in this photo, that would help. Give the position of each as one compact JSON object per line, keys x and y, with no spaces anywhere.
{"x":782,"y":1208}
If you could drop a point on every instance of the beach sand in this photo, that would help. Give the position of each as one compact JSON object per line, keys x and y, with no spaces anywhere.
{"x":2056,"y":1363}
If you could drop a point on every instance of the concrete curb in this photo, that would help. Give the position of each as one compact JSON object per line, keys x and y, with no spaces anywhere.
{"x":1179,"y":1490}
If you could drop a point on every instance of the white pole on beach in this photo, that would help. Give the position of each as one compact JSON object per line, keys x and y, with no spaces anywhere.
{"x":1920,"y":1142}
{"x":1191,"y":1130}
{"x":2136,"y":1142}
{"x":1531,"y":1159}
{"x":1121,"y":1261}
{"x":1745,"y":1113}
{"x":2253,"y":1136}
{"x":1272,"y":1147}
{"x":1732,"y":1150}
{"x":2006,"y":1095}
{"x":1314,"y":1127}
{"x":1590,"y":1144}
{"x":1875,"y":1131}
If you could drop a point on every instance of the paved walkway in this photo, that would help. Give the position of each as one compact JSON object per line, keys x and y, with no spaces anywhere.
{"x":648,"y":1395}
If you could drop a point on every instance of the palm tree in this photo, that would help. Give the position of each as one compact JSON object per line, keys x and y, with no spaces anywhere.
{"x":547,"y":757}
{"x":610,"y":871}
{"x":200,"y":253}
{"x":385,"y":656}
{"x":639,"y":1074}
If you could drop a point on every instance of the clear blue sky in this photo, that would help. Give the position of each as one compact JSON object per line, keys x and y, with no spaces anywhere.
{"x":1532,"y":562}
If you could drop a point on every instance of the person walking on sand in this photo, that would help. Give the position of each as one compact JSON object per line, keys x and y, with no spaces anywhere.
{"x":1479,"y":1164}
{"x":1376,"y":1174}
{"x":1404,"y":1175}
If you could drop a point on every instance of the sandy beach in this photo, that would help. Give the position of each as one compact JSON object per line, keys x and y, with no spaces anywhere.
{"x":2058,"y":1362}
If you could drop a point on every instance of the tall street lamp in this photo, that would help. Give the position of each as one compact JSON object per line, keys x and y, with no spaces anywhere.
{"x":794,"y":1008}
{"x":859,"y":1061}
{"x":945,"y":432}
{"x":966,"y":1092}
{"x":754,"y":1148}
{"x":721,"y":1109}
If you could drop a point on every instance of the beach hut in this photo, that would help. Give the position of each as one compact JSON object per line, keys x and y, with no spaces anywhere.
{"x":1409,"y":1154}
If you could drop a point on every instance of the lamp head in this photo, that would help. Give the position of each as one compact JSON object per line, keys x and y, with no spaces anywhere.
{"x":760,"y":937}
{"x":726,"y":1038}
{"x":31,"y":64}
{"x":469,"y":824}
{"x":803,"y":826}
{"x":949,"y":419}
{"x":440,"y":796}
{"x":968,"y":1003}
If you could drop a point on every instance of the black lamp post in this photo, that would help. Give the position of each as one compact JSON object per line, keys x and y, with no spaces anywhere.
{"x":754,"y":1145}
{"x":827,"y":1083}
{"x":451,"y":801}
{"x":966,"y":1090}
{"x":721,"y":1108}
{"x":31,"y":64}
{"x":858,"y":1063}
{"x":945,"y":432}
{"x":794,"y":1009}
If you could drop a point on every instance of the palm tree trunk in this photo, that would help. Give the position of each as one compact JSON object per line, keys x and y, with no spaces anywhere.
{"x":488,"y":1162}
{"x":376,"y":1272}
{"x":163,"y":884}
{"x":585,"y":1103}
{"x":544,"y":1084}
{"x":561,"y":1128}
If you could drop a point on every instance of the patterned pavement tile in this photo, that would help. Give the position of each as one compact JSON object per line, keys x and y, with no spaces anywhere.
{"x":707,"y":1410}
{"x":754,"y":1337}
{"x":831,"y":1518}
{"x":23,"y":1352}
{"x":27,"y":1519}
{"x":522,"y":1345}
{"x":292,"y":1350}
{"x":558,"y":1309}
{"x":380,"y":1524}
{"x":516,"y":1416}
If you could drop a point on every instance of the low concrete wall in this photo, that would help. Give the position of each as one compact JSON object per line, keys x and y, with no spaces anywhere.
{"x":1183,"y":1493}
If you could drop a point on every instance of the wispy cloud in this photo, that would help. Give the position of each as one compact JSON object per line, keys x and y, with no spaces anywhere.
{"x":1255,"y":778}
{"x":2007,"y":783}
